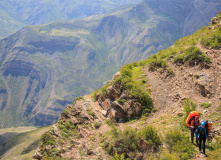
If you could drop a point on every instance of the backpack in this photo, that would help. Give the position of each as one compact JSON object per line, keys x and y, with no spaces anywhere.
{"x":191,"y":117}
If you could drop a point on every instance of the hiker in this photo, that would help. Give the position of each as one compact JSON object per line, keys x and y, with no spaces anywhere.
{"x":193,"y":126}
{"x":202,"y":133}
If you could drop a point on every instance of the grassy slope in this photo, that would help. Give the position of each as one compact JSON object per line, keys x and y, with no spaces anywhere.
{"x":22,"y":145}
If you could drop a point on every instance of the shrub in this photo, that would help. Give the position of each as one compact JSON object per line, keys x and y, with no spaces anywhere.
{"x":78,"y":98}
{"x":157,"y":63}
{"x":216,"y":149}
{"x":205,"y":105}
{"x":111,"y":122}
{"x":47,"y":139}
{"x":128,"y":140}
{"x":192,"y":55}
{"x":150,"y":134}
{"x":97,"y":124}
{"x":178,"y":143}
{"x":118,"y":157}
{"x":65,"y":114}
{"x":94,"y":94}
{"x":188,"y":107}
{"x":89,"y":112}
{"x":61,"y":126}
{"x":213,"y":41}
{"x":121,"y":101}
{"x":67,"y":125}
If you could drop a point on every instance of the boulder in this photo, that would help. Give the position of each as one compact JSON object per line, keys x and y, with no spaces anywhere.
{"x":112,"y":113}
{"x":214,"y":20}
{"x":132,"y":109}
{"x":120,"y":112}
{"x":56,"y":130}
{"x":112,"y":93}
{"x":116,"y":75}
{"x":104,"y":113}
{"x":125,"y":95}
{"x":106,"y":104}
{"x":37,"y":155}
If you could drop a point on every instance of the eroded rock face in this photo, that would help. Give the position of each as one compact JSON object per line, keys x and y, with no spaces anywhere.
{"x":112,"y":93}
{"x":118,"y":104}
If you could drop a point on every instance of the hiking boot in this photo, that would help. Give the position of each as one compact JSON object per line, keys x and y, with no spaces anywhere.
{"x":205,"y":155}
{"x":200,"y":152}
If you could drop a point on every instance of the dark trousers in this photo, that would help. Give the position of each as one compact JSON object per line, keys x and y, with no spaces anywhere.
{"x":193,"y":130}
{"x":200,"y":143}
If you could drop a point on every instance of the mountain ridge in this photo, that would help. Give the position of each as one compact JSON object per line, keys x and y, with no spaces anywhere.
{"x":50,"y":65}
{"x":141,"y":113}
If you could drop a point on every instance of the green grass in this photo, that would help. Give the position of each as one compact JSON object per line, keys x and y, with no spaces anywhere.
{"x":23,"y":145}
{"x":129,"y":139}
{"x":205,"y":105}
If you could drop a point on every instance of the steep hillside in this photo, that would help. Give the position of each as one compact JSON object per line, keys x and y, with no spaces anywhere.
{"x":45,"y":67}
{"x":16,"y":14}
{"x":141,"y":112}
{"x":23,"y":144}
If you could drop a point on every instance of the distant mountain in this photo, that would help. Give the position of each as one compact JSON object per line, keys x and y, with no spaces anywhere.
{"x":16,"y":14}
{"x":45,"y":67}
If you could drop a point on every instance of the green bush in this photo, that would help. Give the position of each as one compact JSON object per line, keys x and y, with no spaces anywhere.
{"x":97,"y":124}
{"x":192,"y":55}
{"x":213,"y":40}
{"x":61,"y":126}
{"x":121,"y":101}
{"x":215,"y":149}
{"x":178,"y":143}
{"x":205,"y":105}
{"x":111,"y":122}
{"x":188,"y":107}
{"x":47,"y":139}
{"x":67,"y":125}
{"x":157,"y":63}
{"x":128,"y":140}
{"x":150,"y":134}
{"x":65,"y":114}
{"x":78,"y":98}
{"x":89,"y":112}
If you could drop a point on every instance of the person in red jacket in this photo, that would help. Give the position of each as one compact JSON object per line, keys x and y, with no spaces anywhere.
{"x":194,"y":125}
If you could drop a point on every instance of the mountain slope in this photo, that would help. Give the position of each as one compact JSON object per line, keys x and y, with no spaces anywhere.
{"x":17,"y":14}
{"x":163,"y":89}
{"x":45,"y":67}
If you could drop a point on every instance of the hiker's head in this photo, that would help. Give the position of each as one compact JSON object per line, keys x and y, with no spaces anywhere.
{"x":203,"y":124}
{"x":197,"y":118}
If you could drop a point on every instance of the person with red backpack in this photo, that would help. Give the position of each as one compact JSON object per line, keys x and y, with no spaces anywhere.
{"x":193,"y":127}
{"x":202,"y":134}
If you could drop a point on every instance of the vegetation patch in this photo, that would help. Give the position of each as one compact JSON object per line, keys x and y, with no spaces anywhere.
{"x":128,"y":141}
{"x":97,"y":124}
{"x":219,"y":108}
{"x":77,"y":99}
{"x":178,"y":143}
{"x":205,"y":105}
{"x":131,"y":80}
{"x":193,"y":56}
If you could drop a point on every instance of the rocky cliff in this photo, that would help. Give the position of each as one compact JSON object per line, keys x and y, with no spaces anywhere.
{"x":141,"y":112}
